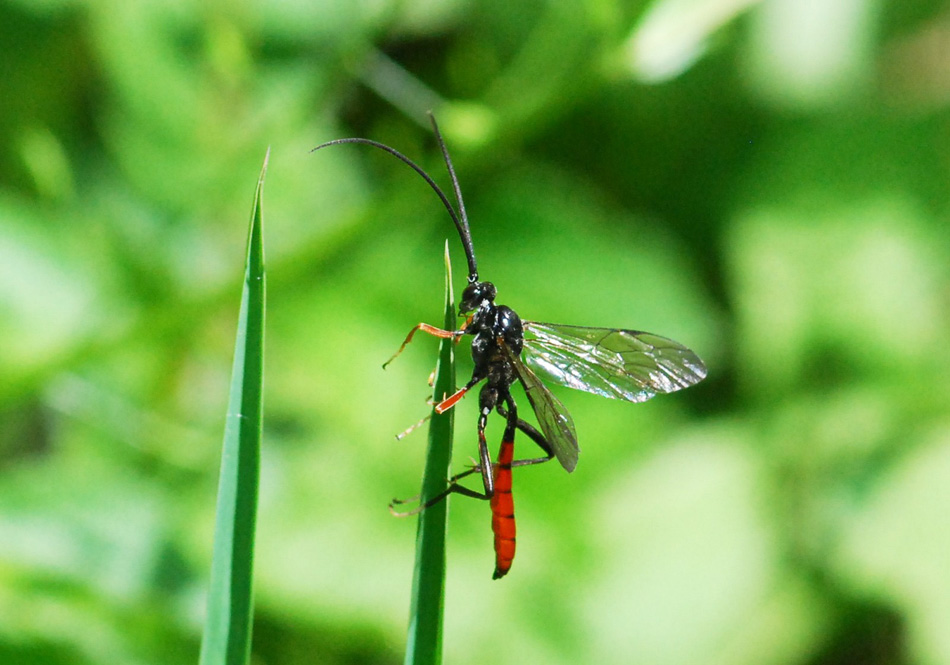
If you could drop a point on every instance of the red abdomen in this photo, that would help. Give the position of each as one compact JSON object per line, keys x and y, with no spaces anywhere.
{"x":503,"y":511}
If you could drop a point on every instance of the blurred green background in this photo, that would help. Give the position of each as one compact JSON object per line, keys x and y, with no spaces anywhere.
{"x":767,"y":182}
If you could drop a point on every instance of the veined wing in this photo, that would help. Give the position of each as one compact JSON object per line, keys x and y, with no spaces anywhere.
{"x":622,"y":364}
{"x":554,"y":419}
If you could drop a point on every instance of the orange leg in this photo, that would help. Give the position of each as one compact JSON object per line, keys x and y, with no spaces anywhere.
{"x":451,"y":400}
{"x":424,"y":327}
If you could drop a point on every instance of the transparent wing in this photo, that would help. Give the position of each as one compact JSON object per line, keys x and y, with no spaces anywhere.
{"x":622,"y":364}
{"x":554,"y":419}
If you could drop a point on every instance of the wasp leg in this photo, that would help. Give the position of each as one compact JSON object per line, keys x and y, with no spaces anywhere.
{"x":453,"y":488}
{"x":484,"y":467}
{"x":426,"y":328}
{"x":409,"y":430}
{"x":453,"y":399}
{"x":443,"y":406}
{"x":527,"y":428}
{"x":440,"y":407}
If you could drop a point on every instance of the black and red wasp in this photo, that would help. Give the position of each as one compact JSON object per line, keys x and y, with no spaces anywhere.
{"x":612,"y":362}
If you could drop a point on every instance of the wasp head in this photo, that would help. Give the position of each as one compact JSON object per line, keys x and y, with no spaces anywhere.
{"x":475,"y":295}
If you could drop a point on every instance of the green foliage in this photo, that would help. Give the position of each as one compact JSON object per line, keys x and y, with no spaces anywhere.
{"x":764,"y":182}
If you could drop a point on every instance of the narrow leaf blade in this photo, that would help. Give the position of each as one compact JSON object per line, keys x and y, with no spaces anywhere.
{"x":227,"y":631}
{"x":424,"y":644}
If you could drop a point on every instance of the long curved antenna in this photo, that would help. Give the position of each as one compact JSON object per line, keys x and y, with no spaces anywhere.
{"x":460,"y":223}
{"x":464,"y":230}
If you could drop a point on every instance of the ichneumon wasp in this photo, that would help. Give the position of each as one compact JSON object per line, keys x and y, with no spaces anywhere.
{"x":622,"y":364}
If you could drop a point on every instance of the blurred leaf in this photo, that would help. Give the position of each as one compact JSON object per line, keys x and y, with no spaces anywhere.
{"x":77,"y":533}
{"x":59,"y":297}
{"x":47,"y":163}
{"x":80,"y":557}
{"x":860,"y":279}
{"x":813,"y":53}
{"x":688,"y":556}
{"x":531,"y":93}
{"x":673,"y":34}
{"x":897,"y":549}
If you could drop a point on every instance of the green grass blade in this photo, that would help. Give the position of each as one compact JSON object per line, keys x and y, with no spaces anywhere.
{"x":227,"y":631}
{"x":424,"y":644}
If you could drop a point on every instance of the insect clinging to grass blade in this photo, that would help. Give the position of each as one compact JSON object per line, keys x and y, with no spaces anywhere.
{"x":612,"y":362}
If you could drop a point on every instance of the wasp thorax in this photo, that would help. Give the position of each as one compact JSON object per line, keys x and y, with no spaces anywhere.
{"x":475,"y":294}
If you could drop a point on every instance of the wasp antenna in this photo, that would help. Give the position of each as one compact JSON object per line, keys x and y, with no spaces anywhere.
{"x":464,"y":232}
{"x":462,"y":228}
